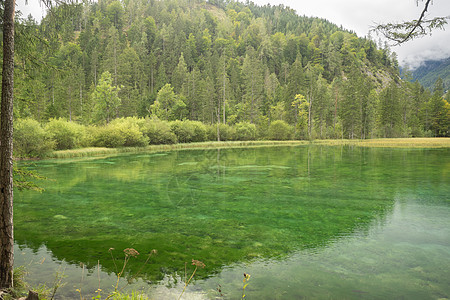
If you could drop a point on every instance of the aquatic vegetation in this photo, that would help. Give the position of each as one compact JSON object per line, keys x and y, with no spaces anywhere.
{"x":284,"y":207}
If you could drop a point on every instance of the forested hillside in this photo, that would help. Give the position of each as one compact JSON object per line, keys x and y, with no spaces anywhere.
{"x":431,"y":70}
{"x":216,"y":62}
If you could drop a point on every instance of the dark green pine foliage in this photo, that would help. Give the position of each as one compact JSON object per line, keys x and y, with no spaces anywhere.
{"x":227,"y":62}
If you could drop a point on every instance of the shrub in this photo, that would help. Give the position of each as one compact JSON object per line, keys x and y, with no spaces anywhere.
{"x":130,"y":130}
{"x":30,"y":139}
{"x":106,"y":136}
{"x":67,"y":135}
{"x":262,"y":127}
{"x":131,"y":121}
{"x":280,"y":131}
{"x":211,"y":132}
{"x":226,"y":132}
{"x":245,"y":131}
{"x":199,"y":134}
{"x":158,"y":132}
{"x":182,"y":131}
{"x":188,"y":131}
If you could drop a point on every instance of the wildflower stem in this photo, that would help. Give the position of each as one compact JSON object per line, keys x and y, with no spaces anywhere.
{"x":98,"y":273}
{"x":135,"y":276}
{"x":186,"y":284}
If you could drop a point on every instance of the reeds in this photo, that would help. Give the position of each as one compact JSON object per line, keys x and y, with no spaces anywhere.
{"x":387,"y":143}
{"x":88,"y":152}
{"x":390,"y":143}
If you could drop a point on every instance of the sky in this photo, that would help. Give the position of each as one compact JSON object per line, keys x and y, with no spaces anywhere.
{"x":356,"y":15}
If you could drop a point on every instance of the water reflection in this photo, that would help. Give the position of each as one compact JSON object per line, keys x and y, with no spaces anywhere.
{"x":224,"y":207}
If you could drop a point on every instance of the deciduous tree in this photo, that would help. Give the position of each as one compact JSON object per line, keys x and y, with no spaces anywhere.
{"x":106,"y":98}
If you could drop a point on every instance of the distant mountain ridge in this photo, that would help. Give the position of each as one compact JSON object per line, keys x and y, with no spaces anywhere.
{"x":429,"y":72}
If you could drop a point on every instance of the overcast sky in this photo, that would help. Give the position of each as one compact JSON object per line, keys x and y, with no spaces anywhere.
{"x":359,"y":16}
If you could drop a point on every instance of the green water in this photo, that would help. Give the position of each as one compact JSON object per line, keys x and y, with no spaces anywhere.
{"x":306,"y":222}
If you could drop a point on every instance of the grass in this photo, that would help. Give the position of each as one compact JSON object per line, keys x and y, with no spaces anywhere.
{"x":87,"y":152}
{"x":391,"y":143}
{"x":386,"y":143}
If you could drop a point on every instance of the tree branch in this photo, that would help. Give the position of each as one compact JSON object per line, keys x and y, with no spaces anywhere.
{"x":406,"y":31}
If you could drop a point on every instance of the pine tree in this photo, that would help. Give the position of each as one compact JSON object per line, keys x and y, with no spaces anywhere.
{"x":437,"y":109}
{"x":253,"y":85}
{"x":389,"y":111}
{"x":179,"y":76}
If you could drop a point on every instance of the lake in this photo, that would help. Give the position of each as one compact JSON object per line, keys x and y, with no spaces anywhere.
{"x":316,"y":222}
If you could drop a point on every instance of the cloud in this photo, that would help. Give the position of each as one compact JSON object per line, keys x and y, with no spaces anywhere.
{"x":416,"y":52}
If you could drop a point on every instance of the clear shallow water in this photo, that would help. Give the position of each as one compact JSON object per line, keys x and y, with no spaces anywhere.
{"x":305,"y":222}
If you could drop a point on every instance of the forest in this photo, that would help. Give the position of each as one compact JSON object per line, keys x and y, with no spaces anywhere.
{"x":127,"y":74}
{"x":220,"y":65}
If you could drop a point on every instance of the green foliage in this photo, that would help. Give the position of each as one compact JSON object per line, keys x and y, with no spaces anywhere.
{"x":390,"y":115}
{"x":23,"y":179}
{"x":245,"y":131}
{"x":226,"y":132}
{"x":67,"y":135}
{"x":301,"y":108}
{"x":132,"y":296}
{"x":20,"y":286}
{"x":106,"y":98}
{"x":188,"y":131}
{"x":247,"y":65}
{"x":430,"y":71}
{"x":123,"y":132}
{"x":105,"y":136}
{"x":182,"y":130}
{"x":158,"y":132}
{"x":280,"y":131}
{"x":30,"y":139}
{"x":199,"y":131}
{"x":130,"y":131}
{"x":168,"y":105}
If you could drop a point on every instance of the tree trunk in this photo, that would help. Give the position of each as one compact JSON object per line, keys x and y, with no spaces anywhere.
{"x":224,"y":92}
{"x":6,"y":147}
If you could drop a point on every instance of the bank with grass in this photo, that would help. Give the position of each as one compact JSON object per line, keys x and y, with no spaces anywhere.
{"x":63,"y":139}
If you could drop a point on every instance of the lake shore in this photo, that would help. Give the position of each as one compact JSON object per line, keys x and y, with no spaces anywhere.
{"x":379,"y":143}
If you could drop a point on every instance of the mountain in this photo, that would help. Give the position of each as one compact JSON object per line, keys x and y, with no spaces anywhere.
{"x":431,"y":70}
{"x":211,"y":61}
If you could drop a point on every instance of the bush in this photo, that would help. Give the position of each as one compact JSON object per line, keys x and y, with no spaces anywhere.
{"x":280,"y":131}
{"x":30,"y":139}
{"x":131,"y":121}
{"x":188,"y":131}
{"x":67,"y":135}
{"x":158,"y":132}
{"x":106,"y":136}
{"x":199,"y":131}
{"x":182,"y":131}
{"x":245,"y":131}
{"x":130,"y":129}
{"x":226,"y":132}
{"x":122,"y":132}
{"x":211,"y":132}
